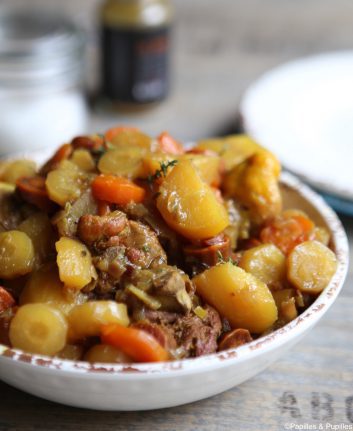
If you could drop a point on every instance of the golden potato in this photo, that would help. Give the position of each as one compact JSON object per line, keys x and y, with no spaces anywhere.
{"x":44,"y":286}
{"x":311,"y":266}
{"x":254,"y":184}
{"x":189,"y":205}
{"x":267,"y":263}
{"x":321,"y":234}
{"x":86,"y":320}
{"x":151,"y":163}
{"x":39,"y":229}
{"x":17,"y":169}
{"x":16,"y":254}
{"x":106,"y":354}
{"x":208,"y":167}
{"x":38,"y":328}
{"x":64,"y":184}
{"x":131,"y":138}
{"x":238,"y":296}
{"x":75,"y":263}
{"x":233,"y":149}
{"x":84,"y":160}
{"x":125,"y":162}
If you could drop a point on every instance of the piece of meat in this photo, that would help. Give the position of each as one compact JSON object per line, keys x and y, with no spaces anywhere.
{"x":111,"y":261}
{"x":167,"y":237}
{"x":163,"y":317}
{"x":170,"y":288}
{"x":198,"y":337}
{"x":235,"y":338}
{"x":142,"y":238}
{"x":160,"y":332}
{"x":94,"y":228}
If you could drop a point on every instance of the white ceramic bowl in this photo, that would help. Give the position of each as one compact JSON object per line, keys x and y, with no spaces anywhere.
{"x":152,"y":386}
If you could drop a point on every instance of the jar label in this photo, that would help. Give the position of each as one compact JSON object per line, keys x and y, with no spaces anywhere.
{"x":135,"y":64}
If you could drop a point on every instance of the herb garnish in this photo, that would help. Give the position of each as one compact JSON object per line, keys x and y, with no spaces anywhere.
{"x":221,"y":259}
{"x":161,"y":172}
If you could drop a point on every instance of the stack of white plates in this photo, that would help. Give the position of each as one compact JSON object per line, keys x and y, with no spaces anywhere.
{"x":303,"y":112}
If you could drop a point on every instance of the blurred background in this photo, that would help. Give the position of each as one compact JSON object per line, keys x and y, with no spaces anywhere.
{"x":217,"y":50}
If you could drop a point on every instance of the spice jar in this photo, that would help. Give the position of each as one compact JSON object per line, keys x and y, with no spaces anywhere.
{"x":41,"y":100}
{"x":135,"y":50}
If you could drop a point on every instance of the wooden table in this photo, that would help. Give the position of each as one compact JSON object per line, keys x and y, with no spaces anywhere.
{"x":219,"y":48}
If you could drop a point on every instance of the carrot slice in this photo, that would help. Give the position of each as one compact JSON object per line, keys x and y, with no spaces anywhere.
{"x":136,"y":343}
{"x":287,"y":232}
{"x":114,"y":131}
{"x":33,"y":191}
{"x":116,"y":190}
{"x":169,"y":145}
{"x":6,"y":299}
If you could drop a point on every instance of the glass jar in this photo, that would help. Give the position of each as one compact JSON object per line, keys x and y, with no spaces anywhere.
{"x":41,"y":100}
{"x":135,"y":50}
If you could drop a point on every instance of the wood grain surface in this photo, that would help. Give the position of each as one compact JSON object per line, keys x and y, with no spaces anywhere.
{"x":219,"y":48}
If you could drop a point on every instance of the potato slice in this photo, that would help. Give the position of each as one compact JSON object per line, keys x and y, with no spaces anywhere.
{"x":75,"y":263}
{"x":267,"y":263}
{"x":16,"y":254}
{"x":311,"y":266}
{"x":189,"y":205}
{"x":64,"y":184}
{"x":208,"y":167}
{"x":86,"y":320}
{"x":232,"y":149}
{"x":125,"y":162}
{"x":241,"y":298}
{"x":38,"y":328}
{"x":17,"y":169}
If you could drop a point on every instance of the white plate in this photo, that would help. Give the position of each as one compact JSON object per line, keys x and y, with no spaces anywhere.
{"x":303,"y":112}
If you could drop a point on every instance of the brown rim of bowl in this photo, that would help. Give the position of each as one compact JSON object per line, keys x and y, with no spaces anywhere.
{"x":261,"y":345}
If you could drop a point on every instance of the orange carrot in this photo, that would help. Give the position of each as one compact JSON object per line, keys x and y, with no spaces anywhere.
{"x":169,"y":145}
{"x":116,"y":190}
{"x":114,"y":131}
{"x":136,"y":343}
{"x":6,"y":299}
{"x":33,"y":191}
{"x":287,"y":232}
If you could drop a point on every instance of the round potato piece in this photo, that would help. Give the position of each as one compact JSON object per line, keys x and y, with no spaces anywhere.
{"x":38,"y":328}
{"x":106,"y":354}
{"x":16,"y":254}
{"x":125,"y":162}
{"x":86,"y":320}
{"x":267,"y":263}
{"x":311,"y":266}
{"x":241,"y":298}
{"x":189,"y":205}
